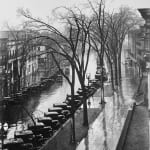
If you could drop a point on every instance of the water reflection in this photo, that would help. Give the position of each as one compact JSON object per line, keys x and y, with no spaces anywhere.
{"x":104,"y":133}
{"x":105,"y":130}
{"x":41,"y":102}
{"x":87,"y":143}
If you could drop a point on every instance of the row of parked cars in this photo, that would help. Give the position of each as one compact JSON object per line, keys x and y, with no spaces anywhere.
{"x":39,"y":131}
{"x":27,"y":92}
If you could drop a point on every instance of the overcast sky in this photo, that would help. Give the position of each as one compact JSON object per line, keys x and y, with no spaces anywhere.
{"x":43,"y":8}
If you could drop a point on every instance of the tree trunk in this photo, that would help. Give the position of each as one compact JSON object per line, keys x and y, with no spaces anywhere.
{"x":119,"y":68}
{"x":85,"y":113}
{"x":73,"y":138}
{"x":116,"y":72}
{"x":102,"y":93}
{"x":112,"y":76}
{"x":111,"y":70}
{"x":19,"y":78}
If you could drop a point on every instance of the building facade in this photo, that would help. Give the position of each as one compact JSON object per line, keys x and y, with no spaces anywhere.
{"x":145,"y":13}
{"x":137,"y":48}
{"x":23,"y":62}
{"x":3,"y":60}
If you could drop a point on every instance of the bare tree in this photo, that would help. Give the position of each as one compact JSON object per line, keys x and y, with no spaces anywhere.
{"x":99,"y":36}
{"x":74,"y":46}
{"x":120,"y":23}
{"x":109,"y":32}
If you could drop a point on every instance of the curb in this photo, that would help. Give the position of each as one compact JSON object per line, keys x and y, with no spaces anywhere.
{"x":138,"y":87}
{"x":125,"y":129}
{"x":47,"y":143}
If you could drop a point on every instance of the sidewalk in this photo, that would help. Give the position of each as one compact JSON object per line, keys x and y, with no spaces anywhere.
{"x":138,"y":133}
{"x":62,"y":138}
{"x":105,"y":131}
{"x":105,"y":122}
{"x":137,"y":137}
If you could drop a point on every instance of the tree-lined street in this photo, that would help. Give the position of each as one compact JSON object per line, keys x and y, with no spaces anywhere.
{"x":84,"y":74}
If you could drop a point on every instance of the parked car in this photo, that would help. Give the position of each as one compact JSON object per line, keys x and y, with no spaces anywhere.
{"x":99,"y":73}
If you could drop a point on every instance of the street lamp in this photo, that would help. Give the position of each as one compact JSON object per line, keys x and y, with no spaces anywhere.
{"x":88,"y":76}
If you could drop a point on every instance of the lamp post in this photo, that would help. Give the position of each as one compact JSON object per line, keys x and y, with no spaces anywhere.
{"x":88,"y":76}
